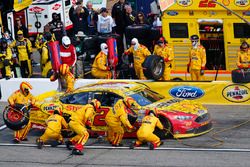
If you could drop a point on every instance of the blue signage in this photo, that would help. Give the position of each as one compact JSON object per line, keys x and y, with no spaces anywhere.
{"x":186,"y":92}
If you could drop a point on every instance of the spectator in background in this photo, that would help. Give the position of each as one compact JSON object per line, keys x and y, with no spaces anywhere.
{"x":20,"y":26}
{"x":118,"y":12}
{"x":141,"y":19}
{"x":92,"y":17}
{"x":79,"y":18}
{"x":57,"y":26}
{"x":105,"y":22}
{"x":129,"y":15}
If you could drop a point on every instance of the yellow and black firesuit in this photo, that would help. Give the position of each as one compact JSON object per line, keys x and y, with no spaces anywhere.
{"x":5,"y":59}
{"x":167,"y":53}
{"x":244,"y":56}
{"x":117,"y":120}
{"x":41,"y":45}
{"x":78,"y":122}
{"x":197,"y":59}
{"x":55,"y":123}
{"x":24,"y":51}
{"x":100,"y":68}
{"x":140,"y":52}
{"x":66,"y":78}
{"x":145,"y":132}
{"x":22,"y":96}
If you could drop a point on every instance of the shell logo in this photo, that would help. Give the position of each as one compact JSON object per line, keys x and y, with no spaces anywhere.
{"x":236,"y":93}
{"x":56,"y":6}
{"x":36,"y":9}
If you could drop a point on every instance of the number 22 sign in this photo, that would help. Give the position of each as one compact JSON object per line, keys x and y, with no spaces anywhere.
{"x":207,"y":3}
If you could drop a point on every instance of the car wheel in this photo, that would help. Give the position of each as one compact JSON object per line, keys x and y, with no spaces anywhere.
{"x":240,"y":76}
{"x":16,"y":118}
{"x":165,"y":133}
{"x":153,"y":67}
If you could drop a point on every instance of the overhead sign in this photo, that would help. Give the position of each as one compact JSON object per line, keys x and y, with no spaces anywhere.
{"x":165,"y":4}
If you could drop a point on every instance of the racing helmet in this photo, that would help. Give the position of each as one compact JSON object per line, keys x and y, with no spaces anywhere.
{"x":64,"y":69}
{"x":129,"y":101}
{"x":25,"y":88}
{"x":96,"y":103}
{"x":244,"y":45}
{"x":194,"y":38}
{"x":66,"y":41}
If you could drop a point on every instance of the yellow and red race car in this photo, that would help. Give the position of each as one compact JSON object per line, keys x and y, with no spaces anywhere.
{"x":181,"y":118}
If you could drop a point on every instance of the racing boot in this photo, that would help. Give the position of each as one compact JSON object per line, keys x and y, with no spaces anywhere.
{"x":39,"y":143}
{"x":16,"y":140}
{"x":152,"y":145}
{"x":76,"y":152}
{"x":68,"y":144}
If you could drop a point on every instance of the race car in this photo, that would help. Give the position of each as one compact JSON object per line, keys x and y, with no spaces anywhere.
{"x":181,"y":118}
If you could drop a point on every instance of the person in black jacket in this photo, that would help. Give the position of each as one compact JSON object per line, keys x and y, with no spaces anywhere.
{"x":20,"y":26}
{"x":57,"y":26}
{"x":118,"y":13}
{"x":79,"y":18}
{"x":129,"y":15}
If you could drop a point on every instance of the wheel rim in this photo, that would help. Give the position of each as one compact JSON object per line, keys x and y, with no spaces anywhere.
{"x":158,"y":68}
{"x":14,"y":116}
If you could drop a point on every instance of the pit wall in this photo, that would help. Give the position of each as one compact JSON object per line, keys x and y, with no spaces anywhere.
{"x":216,"y":92}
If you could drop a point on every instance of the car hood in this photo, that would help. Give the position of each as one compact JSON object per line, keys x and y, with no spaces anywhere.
{"x":179,"y":105}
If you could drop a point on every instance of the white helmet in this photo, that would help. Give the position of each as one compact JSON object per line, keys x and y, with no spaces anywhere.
{"x":66,"y":41}
{"x":104,"y":48}
{"x":135,"y":42}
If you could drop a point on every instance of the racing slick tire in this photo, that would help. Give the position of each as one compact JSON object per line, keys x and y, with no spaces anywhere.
{"x":166,"y":132}
{"x":16,"y":117}
{"x":153,"y":67}
{"x":241,"y":76}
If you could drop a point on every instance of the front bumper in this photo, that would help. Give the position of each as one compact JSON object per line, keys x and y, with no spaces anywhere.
{"x":196,"y":131}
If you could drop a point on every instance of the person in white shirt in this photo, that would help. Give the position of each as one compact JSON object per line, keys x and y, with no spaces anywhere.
{"x":105,"y":22}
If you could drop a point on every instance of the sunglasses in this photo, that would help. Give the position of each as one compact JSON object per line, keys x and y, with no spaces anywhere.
{"x":106,"y":48}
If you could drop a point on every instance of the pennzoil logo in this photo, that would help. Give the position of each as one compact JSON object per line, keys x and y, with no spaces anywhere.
{"x":241,"y":3}
{"x":184,"y":2}
{"x":236,"y":93}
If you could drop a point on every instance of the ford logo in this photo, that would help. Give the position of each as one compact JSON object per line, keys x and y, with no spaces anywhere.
{"x":186,"y":92}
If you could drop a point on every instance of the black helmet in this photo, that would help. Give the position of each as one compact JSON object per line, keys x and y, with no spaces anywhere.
{"x":244,"y":45}
{"x":194,"y":38}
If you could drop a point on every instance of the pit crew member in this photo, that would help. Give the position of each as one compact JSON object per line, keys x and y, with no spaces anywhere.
{"x":5,"y":59}
{"x":140,"y":52}
{"x":100,"y":68}
{"x":55,"y":123}
{"x":68,"y":52}
{"x":22,"y":97}
{"x":166,"y":52}
{"x":244,"y":56}
{"x":78,"y":122}
{"x":197,"y":59}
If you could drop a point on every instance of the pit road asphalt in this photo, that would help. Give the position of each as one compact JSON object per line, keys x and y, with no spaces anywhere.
{"x":235,"y":150}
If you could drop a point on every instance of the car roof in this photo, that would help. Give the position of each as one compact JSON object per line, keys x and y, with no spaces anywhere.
{"x":111,"y":85}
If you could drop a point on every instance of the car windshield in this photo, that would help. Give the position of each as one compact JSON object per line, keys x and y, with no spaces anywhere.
{"x":145,"y":97}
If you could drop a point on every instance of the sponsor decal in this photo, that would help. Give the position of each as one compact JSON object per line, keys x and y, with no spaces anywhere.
{"x":186,"y":92}
{"x":241,"y":3}
{"x":172,"y":13}
{"x":226,"y":2}
{"x":184,"y":2}
{"x":236,"y":93}
{"x":56,"y":6}
{"x":36,"y":9}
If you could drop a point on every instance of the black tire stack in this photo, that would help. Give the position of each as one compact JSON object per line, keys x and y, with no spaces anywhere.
{"x":241,"y":76}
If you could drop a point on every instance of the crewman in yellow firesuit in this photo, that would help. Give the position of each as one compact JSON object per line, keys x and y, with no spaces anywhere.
{"x":5,"y":59}
{"x":140,"y":52}
{"x":23,"y":97}
{"x":117,"y":120}
{"x":100,"y":68}
{"x":41,"y":45}
{"x":244,"y":56}
{"x":55,"y":123}
{"x":24,"y":51}
{"x":79,"y":120}
{"x":66,"y":78}
{"x":197,"y":59}
{"x":166,"y":52}
{"x":145,"y":132}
